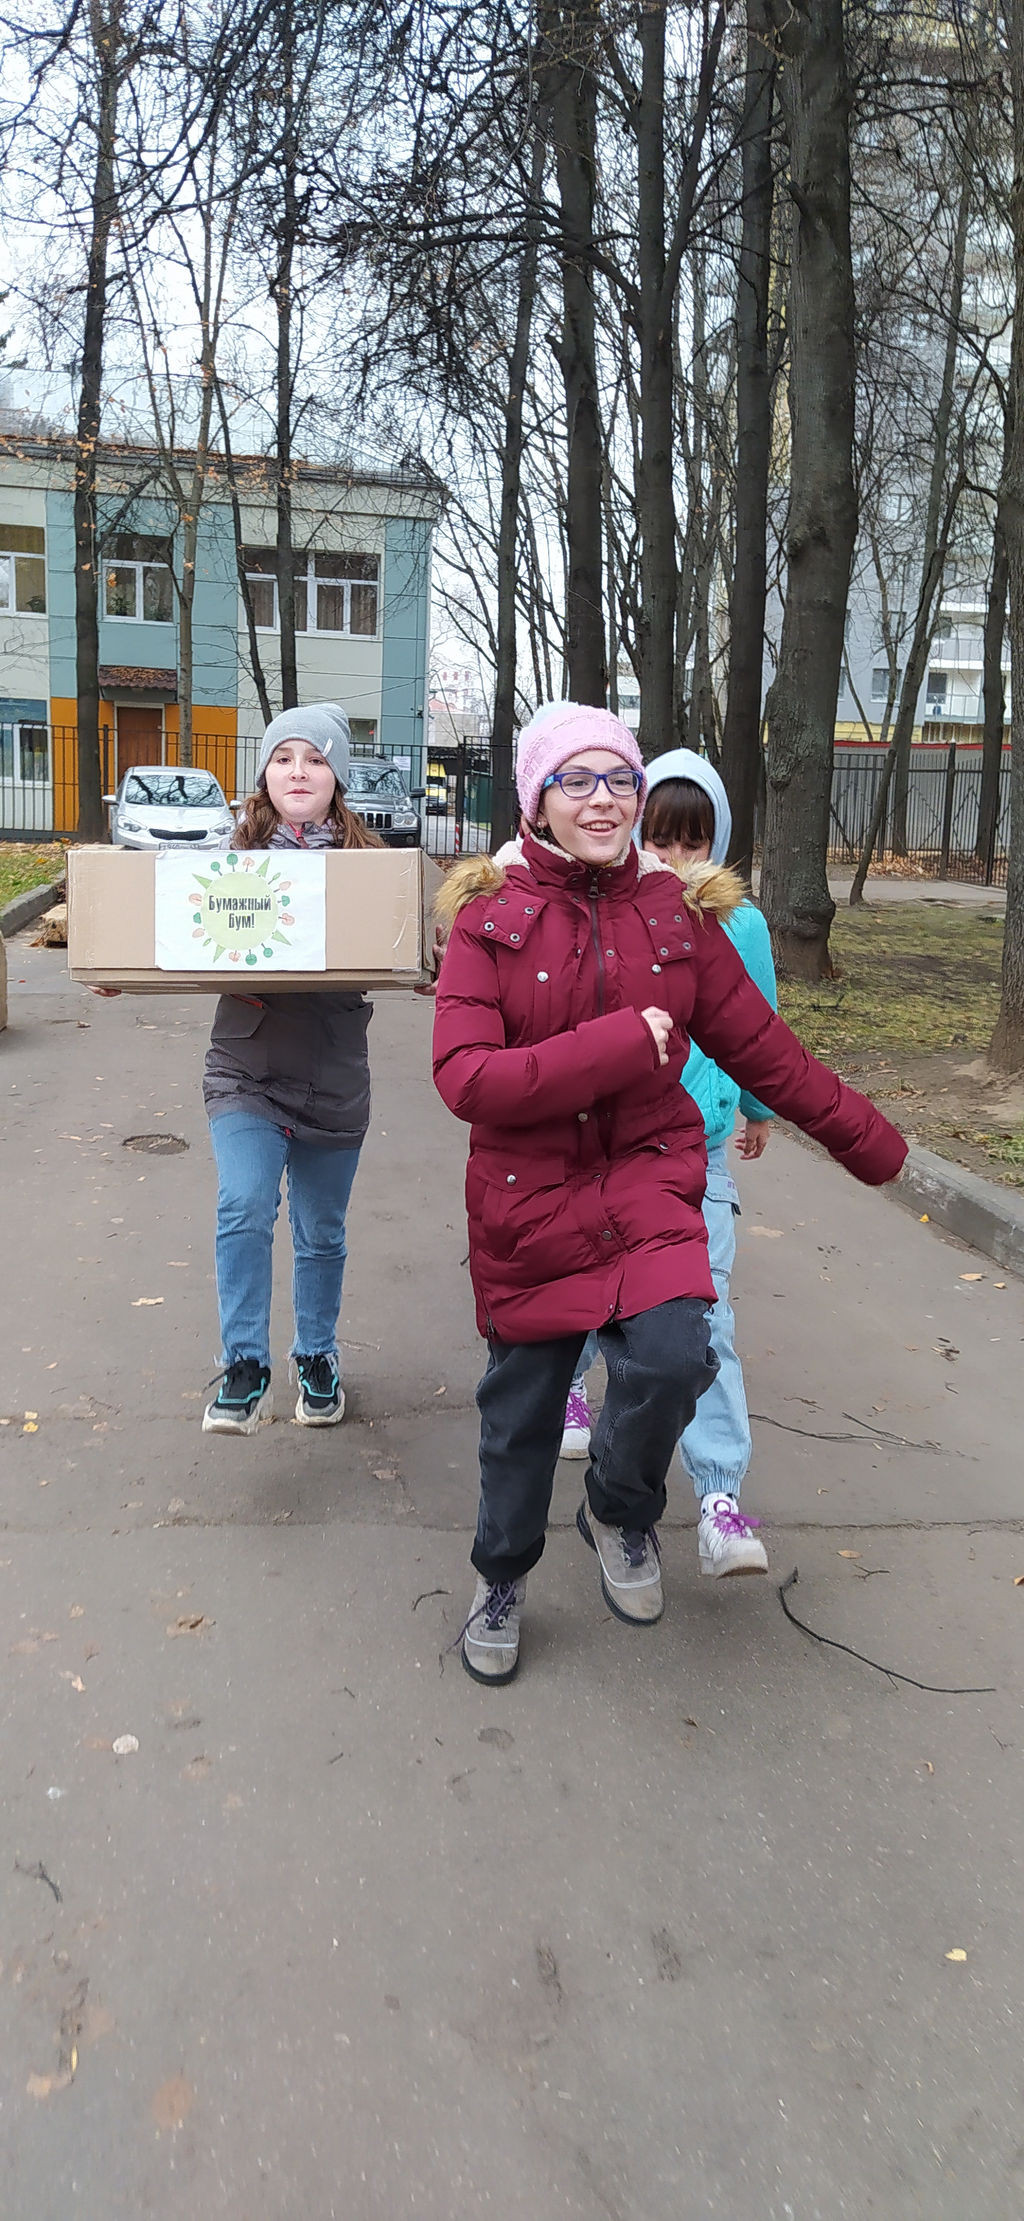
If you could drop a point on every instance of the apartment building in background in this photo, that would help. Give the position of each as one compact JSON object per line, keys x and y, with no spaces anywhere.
{"x":363,"y":541}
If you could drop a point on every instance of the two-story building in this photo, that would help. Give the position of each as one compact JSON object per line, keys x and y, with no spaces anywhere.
{"x":363,"y":541}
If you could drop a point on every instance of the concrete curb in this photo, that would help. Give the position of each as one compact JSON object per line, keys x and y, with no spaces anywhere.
{"x":26,"y":908}
{"x":987,"y":1217}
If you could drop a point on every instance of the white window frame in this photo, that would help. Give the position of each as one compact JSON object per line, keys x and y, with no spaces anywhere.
{"x":937,"y":691}
{"x":266,"y":578}
{"x":16,"y":726}
{"x":306,"y":583}
{"x":125,"y":563}
{"x":13,"y":556}
{"x":313,"y":580}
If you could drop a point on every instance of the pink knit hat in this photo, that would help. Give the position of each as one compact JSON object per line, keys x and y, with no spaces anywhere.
{"x":563,"y":729}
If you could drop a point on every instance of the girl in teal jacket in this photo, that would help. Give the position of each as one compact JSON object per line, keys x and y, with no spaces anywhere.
{"x":687,"y":822}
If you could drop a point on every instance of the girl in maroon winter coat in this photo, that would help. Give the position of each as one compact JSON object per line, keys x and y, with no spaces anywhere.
{"x":575,"y":974}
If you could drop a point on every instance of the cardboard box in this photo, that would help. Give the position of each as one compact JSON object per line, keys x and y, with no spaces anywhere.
{"x":254,"y":919}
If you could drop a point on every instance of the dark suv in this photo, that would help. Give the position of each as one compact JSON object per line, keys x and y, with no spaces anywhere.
{"x":377,"y":790}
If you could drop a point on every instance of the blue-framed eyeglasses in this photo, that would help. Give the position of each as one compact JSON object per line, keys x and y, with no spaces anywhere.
{"x":577,"y":785}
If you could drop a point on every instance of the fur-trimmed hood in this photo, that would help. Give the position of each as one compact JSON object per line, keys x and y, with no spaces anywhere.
{"x":708,"y":889}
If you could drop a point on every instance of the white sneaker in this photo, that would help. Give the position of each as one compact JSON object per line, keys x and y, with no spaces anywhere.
{"x":576,"y":1431}
{"x":490,"y":1638}
{"x":726,"y":1541}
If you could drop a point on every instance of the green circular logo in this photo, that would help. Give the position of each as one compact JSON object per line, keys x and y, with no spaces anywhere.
{"x":243,"y":911}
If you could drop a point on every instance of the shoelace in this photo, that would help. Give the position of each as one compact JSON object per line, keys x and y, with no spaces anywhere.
{"x":244,"y":1369}
{"x":497,"y":1604}
{"x":316,"y":1374}
{"x":636,"y":1541}
{"x":577,"y":1410}
{"x":733,"y":1523}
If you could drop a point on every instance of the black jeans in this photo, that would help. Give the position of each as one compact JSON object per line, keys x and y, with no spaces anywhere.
{"x":658,"y":1365}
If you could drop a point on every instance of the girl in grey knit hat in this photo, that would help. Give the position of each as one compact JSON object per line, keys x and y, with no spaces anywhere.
{"x":287,"y":1087}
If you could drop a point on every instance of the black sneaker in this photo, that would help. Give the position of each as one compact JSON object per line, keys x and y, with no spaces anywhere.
{"x":321,"y":1396}
{"x":243,"y":1400}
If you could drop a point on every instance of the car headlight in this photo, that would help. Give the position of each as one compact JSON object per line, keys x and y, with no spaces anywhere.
{"x":404,"y":818}
{"x":130,"y":825}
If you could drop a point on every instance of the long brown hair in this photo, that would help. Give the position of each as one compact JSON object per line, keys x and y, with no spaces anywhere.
{"x":259,"y":820}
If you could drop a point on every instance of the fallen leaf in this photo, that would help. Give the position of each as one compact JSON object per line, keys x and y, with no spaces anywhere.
{"x":31,"y":1414}
{"x":959,"y":1956}
{"x":172,"y":2103}
{"x":770,"y":1233}
{"x":192,"y":1624}
{"x":927,"y":1764}
{"x":139,"y":1302}
{"x":75,"y":1680}
{"x":924,"y":1218}
{"x":998,"y":1283}
{"x":1018,"y":1580}
{"x":850,"y":1553}
{"x":77,"y":1611}
{"x":123,"y":1745}
{"x":972,"y":1276}
{"x":30,"y":1427}
{"x":442,"y":1391}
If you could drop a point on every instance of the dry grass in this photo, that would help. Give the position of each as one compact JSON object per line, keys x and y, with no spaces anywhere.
{"x":911,"y":976}
{"x":25,"y":864}
{"x":908,"y":1019}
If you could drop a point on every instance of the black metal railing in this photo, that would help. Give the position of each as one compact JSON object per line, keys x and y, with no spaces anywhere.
{"x":39,"y":795}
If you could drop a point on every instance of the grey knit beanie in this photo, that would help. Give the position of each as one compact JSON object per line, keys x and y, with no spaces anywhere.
{"x":325,"y":726}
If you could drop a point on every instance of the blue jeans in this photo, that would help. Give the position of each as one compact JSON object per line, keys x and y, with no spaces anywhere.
{"x":251,"y":1154}
{"x":715,"y":1447}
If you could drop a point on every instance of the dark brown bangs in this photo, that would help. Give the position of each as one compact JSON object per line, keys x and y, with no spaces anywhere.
{"x":678,"y":811}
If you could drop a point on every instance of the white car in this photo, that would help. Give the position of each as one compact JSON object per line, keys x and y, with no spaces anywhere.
{"x":159,"y":806}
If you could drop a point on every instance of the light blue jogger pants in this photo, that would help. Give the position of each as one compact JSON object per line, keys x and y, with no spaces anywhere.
{"x":715,"y":1447}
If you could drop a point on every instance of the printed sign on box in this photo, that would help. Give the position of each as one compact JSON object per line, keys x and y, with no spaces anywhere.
{"x":243,"y":910}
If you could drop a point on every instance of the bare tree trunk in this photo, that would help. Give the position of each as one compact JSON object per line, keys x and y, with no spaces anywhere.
{"x":741,"y":739}
{"x":92,"y":825}
{"x":903,"y":732}
{"x":256,"y":660}
{"x":1006,"y":1049}
{"x":569,"y":93}
{"x":655,"y":479}
{"x":281,"y":289}
{"x":503,"y":803}
{"x":801,"y":704}
{"x":993,"y":687}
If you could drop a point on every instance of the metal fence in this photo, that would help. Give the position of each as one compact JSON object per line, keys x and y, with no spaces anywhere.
{"x":942,"y":812}
{"x":39,"y":794}
{"x":39,"y":774}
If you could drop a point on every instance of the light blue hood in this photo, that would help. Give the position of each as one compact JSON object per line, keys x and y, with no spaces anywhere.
{"x":682,"y":763}
{"x":718,"y":1097}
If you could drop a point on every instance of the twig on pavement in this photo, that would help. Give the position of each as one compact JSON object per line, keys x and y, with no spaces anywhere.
{"x":934,"y":1688}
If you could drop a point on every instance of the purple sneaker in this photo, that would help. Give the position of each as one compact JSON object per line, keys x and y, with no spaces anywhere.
{"x":576,"y":1431}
